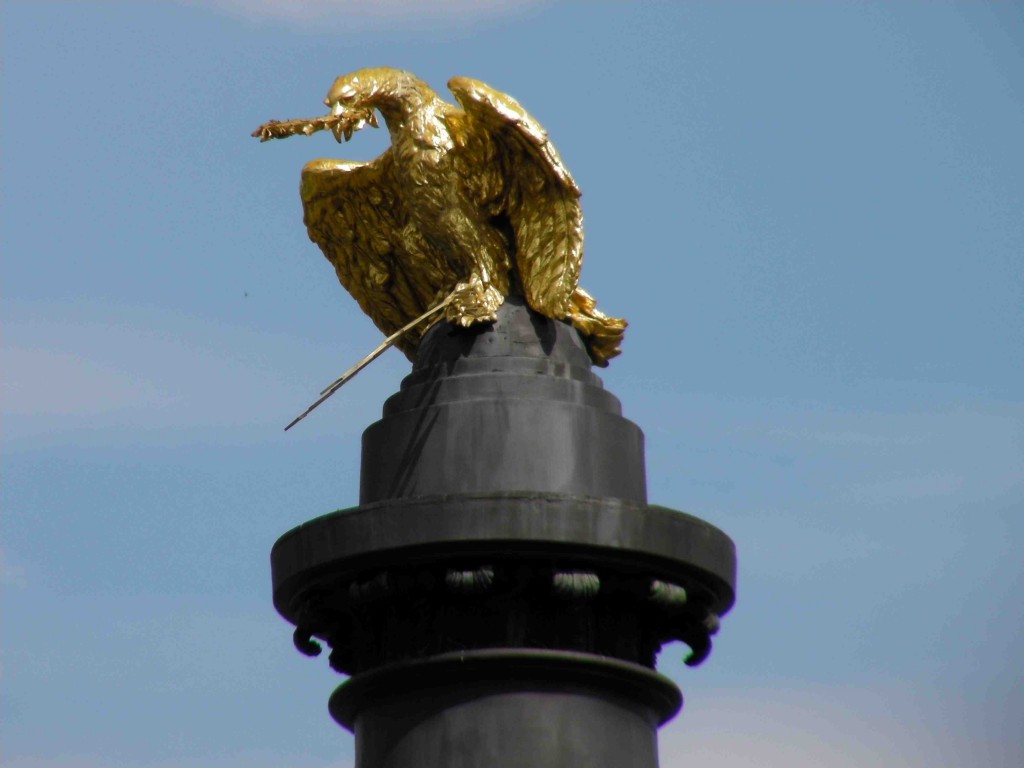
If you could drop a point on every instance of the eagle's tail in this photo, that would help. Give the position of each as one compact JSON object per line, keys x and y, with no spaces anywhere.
{"x":602,"y":334}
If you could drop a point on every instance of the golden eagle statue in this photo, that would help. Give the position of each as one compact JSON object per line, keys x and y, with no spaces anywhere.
{"x":465,"y":207}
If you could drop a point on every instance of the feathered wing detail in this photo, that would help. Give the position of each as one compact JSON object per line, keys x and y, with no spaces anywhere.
{"x":523,"y":176}
{"x":356,"y":216}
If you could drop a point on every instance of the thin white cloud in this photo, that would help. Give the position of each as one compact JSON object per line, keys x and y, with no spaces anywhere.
{"x":809,"y":728}
{"x":840,"y":728}
{"x":11,"y":574}
{"x":841,"y":438}
{"x":365,"y":14}
{"x":965,"y":450}
{"x":906,"y":489}
{"x":40,"y":382}
{"x":132,"y":370}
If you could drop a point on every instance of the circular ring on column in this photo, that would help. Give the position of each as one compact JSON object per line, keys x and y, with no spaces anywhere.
{"x":474,"y":674}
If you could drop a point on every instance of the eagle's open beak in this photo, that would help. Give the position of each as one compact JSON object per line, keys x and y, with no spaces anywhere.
{"x":351,"y":119}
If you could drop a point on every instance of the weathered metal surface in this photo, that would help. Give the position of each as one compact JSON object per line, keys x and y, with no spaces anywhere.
{"x":515,"y":408}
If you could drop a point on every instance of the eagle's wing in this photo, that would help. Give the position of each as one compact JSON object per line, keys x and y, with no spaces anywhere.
{"x":519,"y":173}
{"x":354,"y":212}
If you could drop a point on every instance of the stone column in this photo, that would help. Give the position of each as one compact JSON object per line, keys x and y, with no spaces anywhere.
{"x":500,"y":595}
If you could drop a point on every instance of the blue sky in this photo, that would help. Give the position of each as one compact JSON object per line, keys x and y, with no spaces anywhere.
{"x":811,"y":213}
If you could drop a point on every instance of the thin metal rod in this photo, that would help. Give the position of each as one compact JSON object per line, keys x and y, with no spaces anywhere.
{"x":347,"y":376}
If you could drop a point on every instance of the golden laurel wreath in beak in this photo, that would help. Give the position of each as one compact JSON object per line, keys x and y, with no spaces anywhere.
{"x":342,"y":122}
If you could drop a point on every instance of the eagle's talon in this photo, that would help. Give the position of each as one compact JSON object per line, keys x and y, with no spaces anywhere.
{"x":472,"y":302}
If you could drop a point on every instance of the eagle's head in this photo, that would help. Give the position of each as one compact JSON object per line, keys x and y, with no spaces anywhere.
{"x":346,"y":91}
{"x":350,"y":100}
{"x":395,"y":93}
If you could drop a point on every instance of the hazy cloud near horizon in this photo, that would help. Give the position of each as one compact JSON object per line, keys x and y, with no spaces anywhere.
{"x":772,"y":728}
{"x":349,"y":14}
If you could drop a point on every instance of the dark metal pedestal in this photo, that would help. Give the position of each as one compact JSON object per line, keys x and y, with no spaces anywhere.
{"x":507,"y":707}
{"x":501,"y":593}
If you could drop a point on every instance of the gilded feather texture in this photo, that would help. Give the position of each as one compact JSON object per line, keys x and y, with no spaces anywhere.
{"x":467,"y":206}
